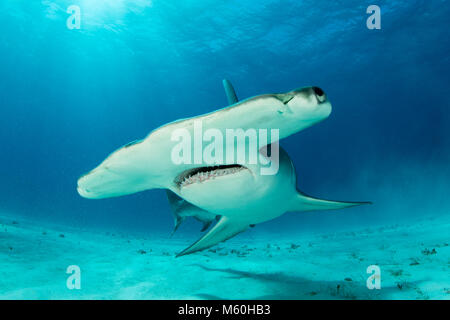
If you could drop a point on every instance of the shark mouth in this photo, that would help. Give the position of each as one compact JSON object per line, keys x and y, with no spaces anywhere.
{"x":202,"y":174}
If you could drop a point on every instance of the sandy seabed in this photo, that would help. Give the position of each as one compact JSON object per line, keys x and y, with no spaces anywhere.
{"x":414,"y":261}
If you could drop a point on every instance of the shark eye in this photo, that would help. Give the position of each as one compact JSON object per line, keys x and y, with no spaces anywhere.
{"x":320,"y":95}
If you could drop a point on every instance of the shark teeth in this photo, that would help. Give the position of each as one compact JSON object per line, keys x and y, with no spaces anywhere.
{"x":203,"y":174}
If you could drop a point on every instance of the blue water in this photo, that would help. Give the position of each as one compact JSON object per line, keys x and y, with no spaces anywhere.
{"x":70,"y":97}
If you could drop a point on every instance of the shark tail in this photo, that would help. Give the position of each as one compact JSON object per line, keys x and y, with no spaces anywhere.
{"x":306,"y":203}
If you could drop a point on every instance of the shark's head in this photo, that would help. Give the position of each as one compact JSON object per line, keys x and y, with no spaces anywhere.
{"x":119,"y":174}
{"x":139,"y":165}
{"x":304,"y":107}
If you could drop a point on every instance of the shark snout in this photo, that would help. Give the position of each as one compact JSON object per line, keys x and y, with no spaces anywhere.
{"x":90,"y":182}
{"x":99,"y":183}
{"x":105,"y":182}
{"x":320,"y":95}
{"x":85,"y":193}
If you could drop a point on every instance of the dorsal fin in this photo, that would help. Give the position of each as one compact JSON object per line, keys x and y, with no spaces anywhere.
{"x":229,"y":90}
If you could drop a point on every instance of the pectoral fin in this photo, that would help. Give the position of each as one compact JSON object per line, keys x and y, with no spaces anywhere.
{"x":225,"y":229}
{"x":307,"y":203}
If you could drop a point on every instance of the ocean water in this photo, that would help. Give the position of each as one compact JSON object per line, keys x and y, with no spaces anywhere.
{"x":69,"y":97}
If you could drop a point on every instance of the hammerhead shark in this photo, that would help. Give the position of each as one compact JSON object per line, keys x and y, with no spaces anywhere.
{"x":236,"y":194}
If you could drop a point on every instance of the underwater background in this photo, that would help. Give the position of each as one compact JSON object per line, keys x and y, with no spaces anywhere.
{"x":69,"y":97}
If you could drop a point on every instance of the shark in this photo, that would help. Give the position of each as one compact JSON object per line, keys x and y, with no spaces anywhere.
{"x":234,"y":195}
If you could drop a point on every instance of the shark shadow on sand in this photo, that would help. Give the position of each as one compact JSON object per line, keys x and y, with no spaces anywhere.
{"x":281,"y":286}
